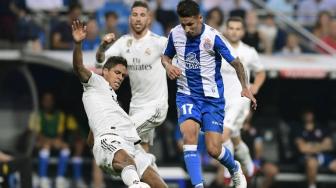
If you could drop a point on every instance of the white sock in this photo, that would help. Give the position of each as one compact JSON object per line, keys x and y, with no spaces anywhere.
{"x":129,"y":175}
{"x":229,"y":145}
{"x":243,"y":154}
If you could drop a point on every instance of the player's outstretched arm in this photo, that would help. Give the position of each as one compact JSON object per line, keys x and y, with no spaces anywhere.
{"x":107,"y":40}
{"x":242,"y":76}
{"x":79,"y":34}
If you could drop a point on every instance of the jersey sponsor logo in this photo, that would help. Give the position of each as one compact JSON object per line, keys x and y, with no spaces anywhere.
{"x":136,"y":66}
{"x":191,"y":61}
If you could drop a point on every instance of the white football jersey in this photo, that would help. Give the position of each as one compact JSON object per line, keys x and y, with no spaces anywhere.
{"x":103,"y":111}
{"x":147,"y":75}
{"x":250,"y":59}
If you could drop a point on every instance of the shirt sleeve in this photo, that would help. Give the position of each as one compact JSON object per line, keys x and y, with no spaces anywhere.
{"x":256,"y":64}
{"x":114,"y":50}
{"x":94,"y":81}
{"x":170,"y":50}
{"x":224,"y":49}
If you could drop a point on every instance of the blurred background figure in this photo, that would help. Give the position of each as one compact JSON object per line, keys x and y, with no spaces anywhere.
{"x":292,"y":46}
{"x":92,"y":40}
{"x":215,"y":18}
{"x":49,"y":124}
{"x":322,"y":25}
{"x":254,"y":141}
{"x":253,"y":37}
{"x":111,"y":22}
{"x":315,"y":147}
{"x":61,"y":33}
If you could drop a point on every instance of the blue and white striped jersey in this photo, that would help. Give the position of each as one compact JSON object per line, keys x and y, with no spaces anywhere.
{"x":200,"y":60}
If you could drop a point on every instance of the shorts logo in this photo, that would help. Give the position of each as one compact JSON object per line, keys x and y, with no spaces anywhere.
{"x":216,"y":123}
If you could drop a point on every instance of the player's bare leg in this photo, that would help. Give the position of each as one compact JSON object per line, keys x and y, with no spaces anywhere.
{"x":213,"y":141}
{"x":125,"y":164}
{"x":153,"y":179}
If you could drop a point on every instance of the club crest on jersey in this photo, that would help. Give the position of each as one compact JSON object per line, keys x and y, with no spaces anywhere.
{"x":129,"y":43}
{"x":148,"y":51}
{"x":207,"y":44}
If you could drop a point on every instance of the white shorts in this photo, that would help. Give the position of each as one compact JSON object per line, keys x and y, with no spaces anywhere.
{"x":106,"y":146}
{"x":146,"y":118}
{"x":235,"y":115}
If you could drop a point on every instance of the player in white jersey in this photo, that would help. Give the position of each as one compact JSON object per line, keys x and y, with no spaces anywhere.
{"x":237,"y":108}
{"x":115,"y":139}
{"x":142,"y":49}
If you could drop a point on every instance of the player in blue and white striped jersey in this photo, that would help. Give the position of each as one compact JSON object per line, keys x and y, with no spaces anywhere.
{"x":199,"y":50}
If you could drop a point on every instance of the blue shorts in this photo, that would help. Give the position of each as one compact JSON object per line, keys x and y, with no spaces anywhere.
{"x":208,"y":112}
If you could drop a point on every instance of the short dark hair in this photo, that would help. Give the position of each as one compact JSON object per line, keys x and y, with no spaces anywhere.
{"x":140,"y":4}
{"x":188,"y":8}
{"x":235,"y":19}
{"x":111,"y":13}
{"x":113,"y":61}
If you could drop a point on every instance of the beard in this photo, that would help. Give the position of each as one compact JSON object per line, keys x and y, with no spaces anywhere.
{"x":138,"y":30}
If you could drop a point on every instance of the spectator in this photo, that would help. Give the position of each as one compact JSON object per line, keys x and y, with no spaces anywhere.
{"x":322,"y":25}
{"x":10,"y":164}
{"x":308,"y":10}
{"x":284,"y":6}
{"x":49,"y":125}
{"x":315,"y":146}
{"x":252,"y":36}
{"x":61,"y":37}
{"x":92,"y":40}
{"x":292,"y":46}
{"x":254,"y":142}
{"x":28,"y":32}
{"x":236,"y":8}
{"x":331,"y":38}
{"x":274,"y":37}
{"x":215,"y":18}
{"x":111,"y":23}
{"x":156,"y":26}
{"x":166,"y":13}
{"x":75,"y":136}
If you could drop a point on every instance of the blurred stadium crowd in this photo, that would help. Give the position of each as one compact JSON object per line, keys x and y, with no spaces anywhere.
{"x":278,"y":134}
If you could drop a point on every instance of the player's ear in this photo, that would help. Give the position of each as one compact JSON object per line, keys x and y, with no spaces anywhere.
{"x":201,"y":18}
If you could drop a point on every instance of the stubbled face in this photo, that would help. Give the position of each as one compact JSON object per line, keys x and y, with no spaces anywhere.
{"x":234,"y":31}
{"x":192,"y":25}
{"x":139,"y":19}
{"x":115,"y":76}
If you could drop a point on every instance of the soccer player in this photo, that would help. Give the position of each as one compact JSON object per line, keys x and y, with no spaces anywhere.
{"x":142,"y":49}
{"x":115,"y":147}
{"x":200,"y":99}
{"x":236,"y":107}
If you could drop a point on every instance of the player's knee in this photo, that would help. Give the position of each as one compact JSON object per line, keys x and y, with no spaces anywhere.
{"x":214,"y":150}
{"x":311,"y":163}
{"x":121,"y":160}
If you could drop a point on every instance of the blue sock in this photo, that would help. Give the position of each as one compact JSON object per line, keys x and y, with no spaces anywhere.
{"x":43,"y":161}
{"x":63,"y":162}
{"x":77,"y":168}
{"x":226,"y":159}
{"x":193,"y":163}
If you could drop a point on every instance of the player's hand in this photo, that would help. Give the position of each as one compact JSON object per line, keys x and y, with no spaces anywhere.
{"x":254,"y":89}
{"x":108,"y":38}
{"x":78,"y":31}
{"x":248,"y":94}
{"x":5,"y":158}
{"x":173,"y":72}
